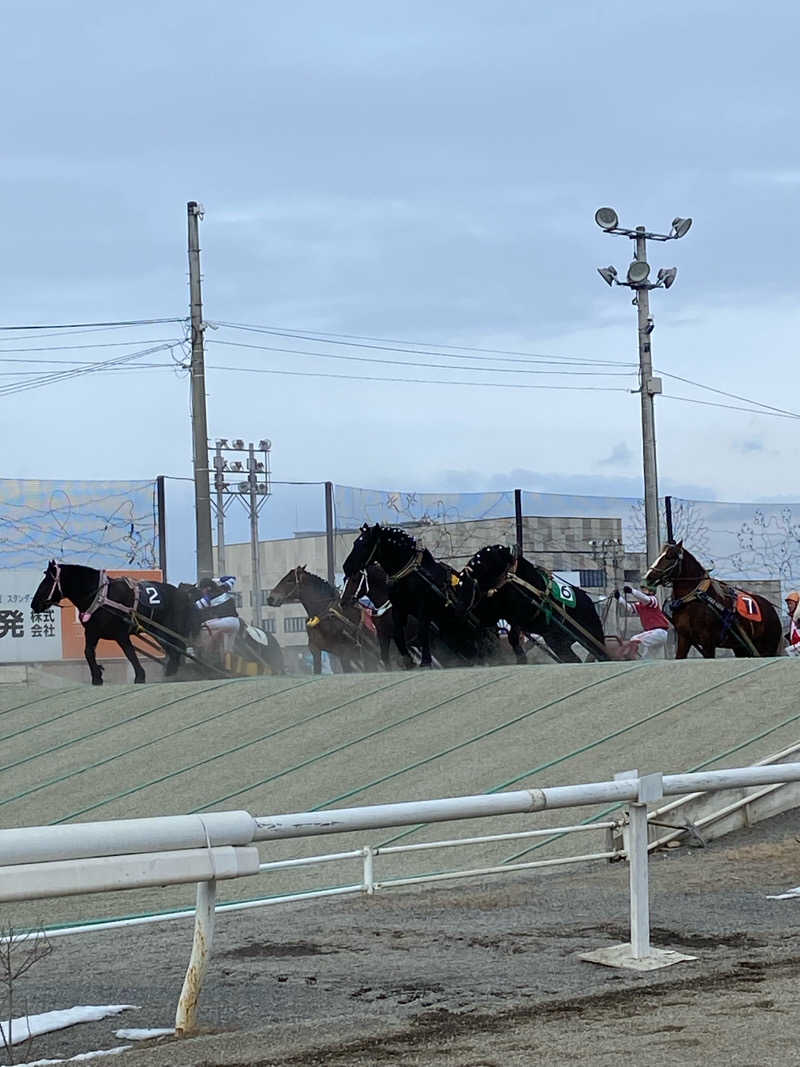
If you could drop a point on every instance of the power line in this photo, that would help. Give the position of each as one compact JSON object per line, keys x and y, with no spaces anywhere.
{"x":412,"y":348}
{"x":78,"y":348}
{"x":74,"y":372}
{"x":732,"y":407}
{"x":409,"y":363}
{"x":80,"y":325}
{"x":732,"y":396}
{"x":419,"y":381}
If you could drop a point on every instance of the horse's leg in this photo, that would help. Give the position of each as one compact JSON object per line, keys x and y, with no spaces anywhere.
{"x":316,"y":656}
{"x":513,"y":640}
{"x":385,"y":643}
{"x":95,"y":668}
{"x":399,"y":620}
{"x":130,"y":654}
{"x":424,"y":630}
{"x":683,"y":645}
{"x":561,"y":644}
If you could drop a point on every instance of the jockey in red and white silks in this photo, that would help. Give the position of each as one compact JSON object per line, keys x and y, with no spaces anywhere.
{"x":793,"y":636}
{"x":655,"y":624}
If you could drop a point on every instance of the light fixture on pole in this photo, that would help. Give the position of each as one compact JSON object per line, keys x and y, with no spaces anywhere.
{"x":252,"y":494}
{"x":637,"y":279}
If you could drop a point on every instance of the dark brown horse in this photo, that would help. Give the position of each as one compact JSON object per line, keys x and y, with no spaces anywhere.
{"x":709,"y":614}
{"x":330,"y":626}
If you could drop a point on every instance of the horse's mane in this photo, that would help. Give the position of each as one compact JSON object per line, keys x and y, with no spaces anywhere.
{"x":394,"y":535}
{"x":76,"y":567}
{"x":320,"y":584}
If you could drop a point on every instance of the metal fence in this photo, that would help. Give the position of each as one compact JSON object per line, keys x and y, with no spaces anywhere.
{"x":40,"y":862}
{"x":96,"y":523}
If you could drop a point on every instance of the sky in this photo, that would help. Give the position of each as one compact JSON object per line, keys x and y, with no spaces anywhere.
{"x":419,"y":173}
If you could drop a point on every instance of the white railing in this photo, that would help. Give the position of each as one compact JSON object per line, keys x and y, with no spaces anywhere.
{"x":52,"y":861}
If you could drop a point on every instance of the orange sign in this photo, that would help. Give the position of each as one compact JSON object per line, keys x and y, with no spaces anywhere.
{"x":72,"y":635}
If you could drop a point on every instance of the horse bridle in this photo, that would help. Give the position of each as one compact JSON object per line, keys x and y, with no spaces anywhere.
{"x":51,"y":598}
{"x":664,"y":576}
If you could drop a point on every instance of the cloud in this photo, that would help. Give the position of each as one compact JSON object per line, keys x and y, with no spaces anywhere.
{"x":620,"y":456}
{"x":628,"y":486}
{"x":748,"y":445}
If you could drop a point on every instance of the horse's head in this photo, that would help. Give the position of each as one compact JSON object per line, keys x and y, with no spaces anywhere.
{"x":363,"y":551}
{"x":49,"y":591}
{"x":667,"y":567}
{"x":488,"y":566}
{"x":288,"y":588}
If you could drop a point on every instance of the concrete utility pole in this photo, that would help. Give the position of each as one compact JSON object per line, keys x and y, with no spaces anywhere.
{"x":637,"y":279}
{"x":202,"y":491}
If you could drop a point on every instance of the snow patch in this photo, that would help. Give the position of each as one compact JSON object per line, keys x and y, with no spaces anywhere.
{"x":44,"y":1023}
{"x":143,"y":1035}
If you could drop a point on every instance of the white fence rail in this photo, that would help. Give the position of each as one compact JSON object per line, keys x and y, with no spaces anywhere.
{"x":53,"y":861}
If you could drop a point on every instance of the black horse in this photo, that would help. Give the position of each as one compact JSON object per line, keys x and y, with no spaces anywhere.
{"x":505,"y":586}
{"x":115,"y":608}
{"x":423,"y":587}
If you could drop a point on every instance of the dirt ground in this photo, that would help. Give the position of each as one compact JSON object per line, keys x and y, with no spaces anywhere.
{"x":475,"y":974}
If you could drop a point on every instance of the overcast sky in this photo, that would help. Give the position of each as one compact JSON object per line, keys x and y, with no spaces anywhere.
{"x":414,"y":171}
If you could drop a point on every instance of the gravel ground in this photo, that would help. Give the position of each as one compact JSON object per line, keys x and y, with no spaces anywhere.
{"x":474,"y":974}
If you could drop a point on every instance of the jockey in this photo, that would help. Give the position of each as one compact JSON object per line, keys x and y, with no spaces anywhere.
{"x":655,"y":624}
{"x":793,"y":636}
{"x":217,"y":608}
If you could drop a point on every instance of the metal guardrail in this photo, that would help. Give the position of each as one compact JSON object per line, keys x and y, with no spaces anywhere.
{"x":131,"y":844}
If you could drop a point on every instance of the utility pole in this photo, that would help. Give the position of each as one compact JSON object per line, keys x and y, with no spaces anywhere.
{"x":202,"y":491}
{"x":637,"y":279}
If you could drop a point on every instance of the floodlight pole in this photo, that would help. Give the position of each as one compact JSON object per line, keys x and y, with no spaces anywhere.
{"x":648,"y":388}
{"x":255,"y":562}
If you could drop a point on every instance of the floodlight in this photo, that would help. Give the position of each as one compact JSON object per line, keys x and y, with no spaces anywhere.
{"x":238,"y":443}
{"x":222,"y":442}
{"x":264,"y":445}
{"x":667,"y":276}
{"x":237,"y":466}
{"x":606,"y":218}
{"x":680,"y":227}
{"x":608,"y":274}
{"x":638,"y":272}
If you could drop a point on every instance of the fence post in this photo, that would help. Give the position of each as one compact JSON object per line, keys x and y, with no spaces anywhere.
{"x":518,"y":520}
{"x":186,"y":1015}
{"x":329,"y":542}
{"x":651,"y":789}
{"x":668,"y":516}
{"x":369,"y":876}
{"x":162,"y":526}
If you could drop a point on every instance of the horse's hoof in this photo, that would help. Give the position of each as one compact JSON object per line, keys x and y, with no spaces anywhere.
{"x":97,"y":681}
{"x":408,"y":663}
{"x":426,"y":666}
{"x":522,"y":659}
{"x":139,"y":681}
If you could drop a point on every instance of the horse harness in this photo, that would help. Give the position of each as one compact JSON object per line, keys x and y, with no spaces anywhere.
{"x":103,"y":600}
{"x":704,"y":592}
{"x":548,"y":605}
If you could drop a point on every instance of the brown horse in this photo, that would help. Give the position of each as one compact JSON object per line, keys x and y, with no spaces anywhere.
{"x":711,"y":614}
{"x":330,"y":626}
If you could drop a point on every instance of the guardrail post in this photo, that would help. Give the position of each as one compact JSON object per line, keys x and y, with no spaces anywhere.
{"x":651,"y":789}
{"x":369,"y":877}
{"x":186,"y":1015}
